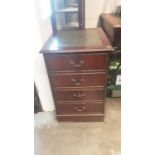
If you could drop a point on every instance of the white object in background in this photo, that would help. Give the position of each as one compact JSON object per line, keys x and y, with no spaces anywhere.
{"x":118,"y":80}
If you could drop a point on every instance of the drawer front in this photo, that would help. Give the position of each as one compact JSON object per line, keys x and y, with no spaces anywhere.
{"x":78,"y":80}
{"x":81,"y":118}
{"x":80,"y":108}
{"x":80,"y":102}
{"x":79,"y":95}
{"x":76,"y":62}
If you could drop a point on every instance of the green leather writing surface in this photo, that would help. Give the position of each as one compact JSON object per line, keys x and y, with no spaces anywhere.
{"x":77,"y":38}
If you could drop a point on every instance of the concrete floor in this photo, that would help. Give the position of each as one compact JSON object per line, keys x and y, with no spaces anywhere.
{"x":100,"y":138}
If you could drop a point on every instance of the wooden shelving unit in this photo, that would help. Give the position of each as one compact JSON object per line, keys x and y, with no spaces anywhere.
{"x":67,"y":14}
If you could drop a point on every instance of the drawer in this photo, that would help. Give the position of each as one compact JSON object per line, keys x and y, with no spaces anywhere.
{"x":79,"y":108}
{"x":79,"y":95}
{"x":81,"y":118}
{"x":76,"y":62}
{"x":81,"y":102}
{"x":78,"y":80}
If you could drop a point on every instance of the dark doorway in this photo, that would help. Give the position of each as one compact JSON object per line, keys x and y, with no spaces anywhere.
{"x":37,"y":104}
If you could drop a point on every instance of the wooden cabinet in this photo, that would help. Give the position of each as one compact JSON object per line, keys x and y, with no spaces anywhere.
{"x":77,"y":63}
{"x":111,"y":24}
{"x":68,"y":14}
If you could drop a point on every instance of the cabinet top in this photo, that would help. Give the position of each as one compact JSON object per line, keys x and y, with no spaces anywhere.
{"x":87,"y":40}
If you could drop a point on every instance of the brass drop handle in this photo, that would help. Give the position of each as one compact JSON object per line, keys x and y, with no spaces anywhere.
{"x":79,"y":109}
{"x":77,"y":65}
{"x":77,"y":83}
{"x":79,"y":95}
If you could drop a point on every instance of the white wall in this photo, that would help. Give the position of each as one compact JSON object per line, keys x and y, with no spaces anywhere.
{"x":93,"y":8}
{"x":40,"y":72}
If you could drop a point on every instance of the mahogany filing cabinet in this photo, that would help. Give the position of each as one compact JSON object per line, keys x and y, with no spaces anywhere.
{"x":77,"y":63}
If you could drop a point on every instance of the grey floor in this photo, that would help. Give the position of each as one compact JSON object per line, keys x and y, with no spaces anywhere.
{"x":99,"y":138}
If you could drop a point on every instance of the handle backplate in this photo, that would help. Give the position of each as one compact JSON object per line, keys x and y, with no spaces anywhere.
{"x":77,"y":65}
{"x":79,"y":109}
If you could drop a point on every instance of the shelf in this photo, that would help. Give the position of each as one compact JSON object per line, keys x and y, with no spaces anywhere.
{"x":67,"y":9}
{"x":72,"y":5}
{"x":70,"y":25}
{"x":68,"y":14}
